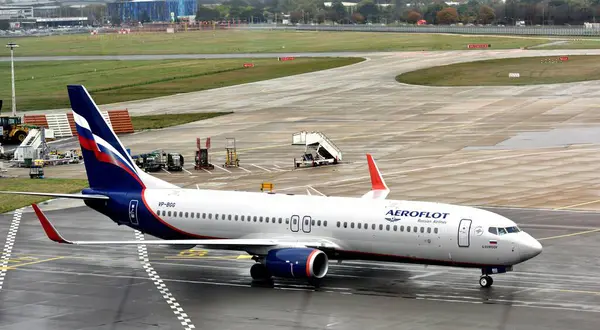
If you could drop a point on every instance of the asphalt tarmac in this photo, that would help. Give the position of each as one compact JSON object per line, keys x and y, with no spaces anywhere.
{"x":54,"y":286}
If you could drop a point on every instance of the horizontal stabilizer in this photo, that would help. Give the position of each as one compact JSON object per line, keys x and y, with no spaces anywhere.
{"x":75,"y":196}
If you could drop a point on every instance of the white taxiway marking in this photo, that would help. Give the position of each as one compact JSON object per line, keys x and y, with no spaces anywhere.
{"x":262,"y":168}
{"x":318,"y":192}
{"x":425,"y":275}
{"x":207,"y":171}
{"x":190,"y":173}
{"x":162,"y":288}
{"x":244,"y":169}
{"x":10,"y":241}
{"x":222,"y":168}
{"x":165,"y":170}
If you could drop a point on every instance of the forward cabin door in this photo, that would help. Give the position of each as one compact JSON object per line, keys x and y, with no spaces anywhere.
{"x":464,"y":228}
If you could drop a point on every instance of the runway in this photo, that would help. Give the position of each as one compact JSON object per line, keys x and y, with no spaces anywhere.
{"x":53,"y":286}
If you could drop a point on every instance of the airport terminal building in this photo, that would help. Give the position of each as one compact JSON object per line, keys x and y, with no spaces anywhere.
{"x":157,"y":10}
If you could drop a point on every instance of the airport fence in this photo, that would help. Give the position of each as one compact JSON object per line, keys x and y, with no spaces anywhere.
{"x":474,"y":30}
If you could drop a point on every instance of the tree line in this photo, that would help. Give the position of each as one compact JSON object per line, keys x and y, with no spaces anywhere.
{"x":533,"y":12}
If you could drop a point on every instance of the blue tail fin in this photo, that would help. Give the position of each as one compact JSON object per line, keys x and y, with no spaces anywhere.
{"x":108,"y":165}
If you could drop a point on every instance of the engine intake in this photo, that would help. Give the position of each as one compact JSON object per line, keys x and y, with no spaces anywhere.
{"x":297,"y":263}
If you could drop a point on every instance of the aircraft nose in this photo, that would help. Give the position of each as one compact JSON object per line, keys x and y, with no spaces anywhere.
{"x":529,"y":248}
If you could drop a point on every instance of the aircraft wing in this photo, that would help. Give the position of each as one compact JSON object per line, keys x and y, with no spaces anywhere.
{"x":379,"y":190}
{"x":76,"y":196}
{"x":226,"y":244}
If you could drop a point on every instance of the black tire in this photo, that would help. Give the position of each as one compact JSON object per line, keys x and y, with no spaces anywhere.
{"x":20,"y":136}
{"x":259,"y":272}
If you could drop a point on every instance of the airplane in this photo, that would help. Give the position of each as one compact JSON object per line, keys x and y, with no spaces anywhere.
{"x":288,"y":236}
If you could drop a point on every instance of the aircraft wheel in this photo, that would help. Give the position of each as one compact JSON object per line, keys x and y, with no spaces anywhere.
{"x":259,"y":272}
{"x":486,"y":281}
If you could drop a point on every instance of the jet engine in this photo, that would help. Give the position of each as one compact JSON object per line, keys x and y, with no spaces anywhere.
{"x":297,"y":263}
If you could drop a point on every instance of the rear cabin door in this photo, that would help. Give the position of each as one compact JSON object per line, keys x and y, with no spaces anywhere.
{"x":464,"y":228}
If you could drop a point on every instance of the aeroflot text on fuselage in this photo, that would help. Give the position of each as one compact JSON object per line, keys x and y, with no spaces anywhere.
{"x":396,"y":215}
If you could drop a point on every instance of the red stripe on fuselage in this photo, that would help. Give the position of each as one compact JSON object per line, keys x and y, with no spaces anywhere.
{"x":190,"y":235}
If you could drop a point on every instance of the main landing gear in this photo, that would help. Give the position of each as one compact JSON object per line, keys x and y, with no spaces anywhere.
{"x":486,"y":281}
{"x":260,"y":273}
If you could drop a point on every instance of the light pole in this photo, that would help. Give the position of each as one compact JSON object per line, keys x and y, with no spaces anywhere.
{"x":12,"y":46}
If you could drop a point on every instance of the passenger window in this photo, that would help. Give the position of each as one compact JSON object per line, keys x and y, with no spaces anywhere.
{"x":255,"y":218}
{"x":319,"y":223}
{"x":260,"y":219}
{"x":387,"y":227}
{"x":325,"y":223}
{"x":313,"y":222}
{"x":267,"y":219}
{"x":216,"y":216}
{"x":380,"y":227}
{"x":401,"y":228}
{"x":422,"y":230}
{"x":274,"y":220}
{"x":287,"y":221}
{"x":408,"y":229}
{"x":169,"y":213}
{"x":192,"y":215}
{"x":352,"y":225}
{"x":358,"y":224}
{"x":435,"y":230}
{"x":395,"y":227}
{"x":428,"y":230}
{"x":210,"y":216}
{"x":236,"y":217}
{"x":186,"y":214}
{"x":203,"y":215}
{"x":295,"y":221}
{"x":373,"y":226}
{"x":338,"y":224}
{"x":180,"y":214}
{"x":229,"y":217}
{"x":280,"y":220}
{"x":366,"y":226}
{"x":345,"y":225}
{"x":415,"y":229}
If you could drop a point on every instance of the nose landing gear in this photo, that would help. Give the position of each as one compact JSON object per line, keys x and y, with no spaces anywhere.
{"x":486,"y":281}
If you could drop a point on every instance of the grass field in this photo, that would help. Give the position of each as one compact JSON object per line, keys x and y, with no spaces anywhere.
{"x":243,"y":41}
{"x":42,"y":85}
{"x":167,"y":120}
{"x":11,"y":202}
{"x":532,"y":70}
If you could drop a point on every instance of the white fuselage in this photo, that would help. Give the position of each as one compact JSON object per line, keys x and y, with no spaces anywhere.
{"x":428,"y":233}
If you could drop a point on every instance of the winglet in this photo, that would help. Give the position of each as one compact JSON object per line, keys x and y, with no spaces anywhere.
{"x":379,"y":189}
{"x":51,"y":232}
{"x":377,"y":182}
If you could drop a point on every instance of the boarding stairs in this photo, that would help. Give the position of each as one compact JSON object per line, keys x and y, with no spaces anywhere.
{"x":319,"y":149}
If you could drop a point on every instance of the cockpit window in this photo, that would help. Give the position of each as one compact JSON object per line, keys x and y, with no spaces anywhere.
{"x":504,"y":231}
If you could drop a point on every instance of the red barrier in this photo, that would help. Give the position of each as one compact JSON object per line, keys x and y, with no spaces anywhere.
{"x":471,"y":46}
{"x":248,"y":65}
{"x":564,"y":58}
{"x":120,"y":121}
{"x":285,"y":58}
{"x":37,"y":120}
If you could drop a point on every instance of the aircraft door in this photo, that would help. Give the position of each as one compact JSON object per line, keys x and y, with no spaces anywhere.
{"x":295,"y":223}
{"x":133,"y":212}
{"x":464,"y":228}
{"x":306,"y":223}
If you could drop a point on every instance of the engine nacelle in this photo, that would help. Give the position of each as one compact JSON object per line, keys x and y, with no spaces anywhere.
{"x":297,"y":263}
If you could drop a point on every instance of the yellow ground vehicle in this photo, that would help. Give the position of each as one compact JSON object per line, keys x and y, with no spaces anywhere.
{"x":12,"y":130}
